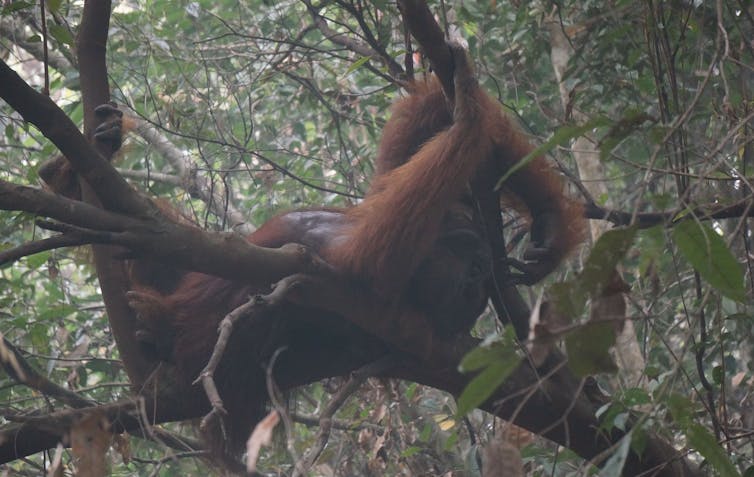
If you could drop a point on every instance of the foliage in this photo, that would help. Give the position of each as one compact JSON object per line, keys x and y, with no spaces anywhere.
{"x":274,"y":115}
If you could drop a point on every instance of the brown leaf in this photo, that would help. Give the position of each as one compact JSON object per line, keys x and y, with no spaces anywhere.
{"x":122,"y":445}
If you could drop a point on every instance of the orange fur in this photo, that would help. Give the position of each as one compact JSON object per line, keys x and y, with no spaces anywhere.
{"x":403,"y":238}
{"x":395,"y":226}
{"x":425,"y":161}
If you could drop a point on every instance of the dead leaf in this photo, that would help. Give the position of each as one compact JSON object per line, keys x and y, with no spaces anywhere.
{"x":122,"y":445}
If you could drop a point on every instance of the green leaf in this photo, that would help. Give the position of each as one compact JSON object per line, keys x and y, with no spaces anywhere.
{"x":410,"y":451}
{"x":61,"y":34}
{"x":681,"y":408}
{"x":37,"y":260}
{"x":54,"y":5}
{"x":15,"y":6}
{"x":485,"y":383}
{"x":39,"y":337}
{"x":708,"y":254}
{"x":488,"y":353}
{"x":609,"y":250}
{"x":621,"y":130}
{"x":608,"y":415}
{"x":56,"y":312}
{"x":483,"y":356}
{"x":635,"y":397}
{"x":357,"y":64}
{"x":426,"y":433}
{"x":706,"y":444}
{"x":568,"y":298}
{"x":588,"y":349}
{"x":452,"y":440}
{"x":410,"y":391}
{"x":639,"y":439}
{"x":562,"y":135}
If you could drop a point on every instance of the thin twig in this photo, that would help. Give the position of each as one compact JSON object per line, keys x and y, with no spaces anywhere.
{"x":355,"y":381}
{"x":45,"y":64}
{"x":255,"y":309}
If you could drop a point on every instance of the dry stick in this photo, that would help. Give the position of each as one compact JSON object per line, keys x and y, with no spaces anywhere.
{"x":325,"y":421}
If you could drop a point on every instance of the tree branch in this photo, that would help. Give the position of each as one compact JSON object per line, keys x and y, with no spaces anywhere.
{"x":50,"y":243}
{"x":742,"y":208}
{"x":39,"y":110}
{"x":422,"y":25}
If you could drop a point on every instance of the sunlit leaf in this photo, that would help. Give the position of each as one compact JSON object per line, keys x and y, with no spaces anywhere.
{"x":37,"y":260}
{"x":411,"y":450}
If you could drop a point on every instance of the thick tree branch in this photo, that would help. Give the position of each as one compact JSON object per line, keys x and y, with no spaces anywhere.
{"x":422,"y":25}
{"x":33,"y":434}
{"x":547,"y":400}
{"x":30,"y":248}
{"x":91,"y":47}
{"x":22,"y":372}
{"x":39,"y":110}
{"x":39,"y":202}
{"x":225,"y":254}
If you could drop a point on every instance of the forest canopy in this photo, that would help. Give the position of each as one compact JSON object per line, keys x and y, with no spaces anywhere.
{"x":631,"y":358}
